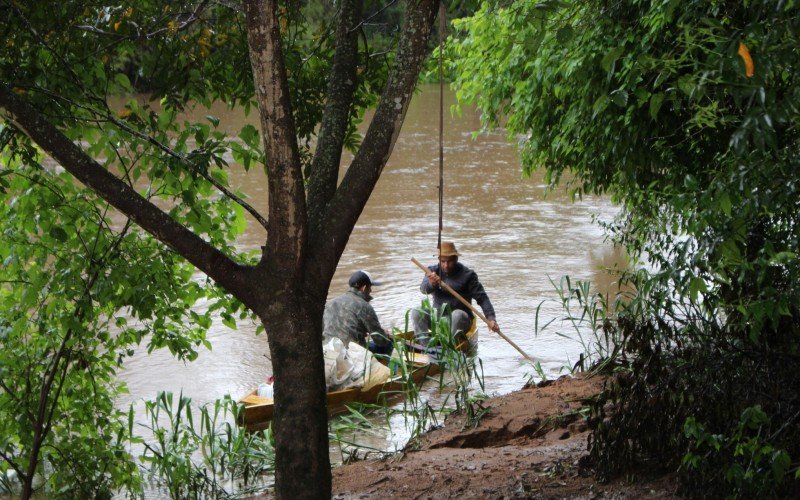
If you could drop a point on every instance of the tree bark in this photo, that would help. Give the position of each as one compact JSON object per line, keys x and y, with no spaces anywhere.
{"x":292,"y":309}
{"x":324,"y":172}
{"x":300,"y":421}
{"x":286,"y":239}
{"x":362,"y":175}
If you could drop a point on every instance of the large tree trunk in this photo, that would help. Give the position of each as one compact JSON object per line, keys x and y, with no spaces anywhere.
{"x":300,"y":422}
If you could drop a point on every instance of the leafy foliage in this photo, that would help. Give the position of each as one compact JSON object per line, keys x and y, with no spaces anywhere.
{"x":686,"y":113}
{"x":758,"y":468}
{"x":67,"y":322}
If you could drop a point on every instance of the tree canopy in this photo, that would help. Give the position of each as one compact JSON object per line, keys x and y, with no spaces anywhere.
{"x":67,"y":75}
{"x":685,"y":112}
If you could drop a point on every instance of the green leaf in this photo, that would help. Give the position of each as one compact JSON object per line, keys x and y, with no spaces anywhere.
{"x":696,"y":286}
{"x":229,"y":321}
{"x":122,"y":80}
{"x":655,"y":104}
{"x":239,"y":223}
{"x":724,"y":201}
{"x":220,"y":175}
{"x":59,"y":234}
{"x":783,"y":258}
{"x":610,"y":58}
{"x":620,"y":98}
{"x":249,"y":135}
{"x":565,"y":34}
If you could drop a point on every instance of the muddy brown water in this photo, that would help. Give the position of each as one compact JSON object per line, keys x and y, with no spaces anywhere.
{"x":515,"y":237}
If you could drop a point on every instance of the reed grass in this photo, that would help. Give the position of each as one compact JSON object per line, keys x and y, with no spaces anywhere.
{"x":201,"y":452}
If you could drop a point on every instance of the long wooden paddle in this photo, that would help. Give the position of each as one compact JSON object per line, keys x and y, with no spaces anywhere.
{"x":472,"y":308}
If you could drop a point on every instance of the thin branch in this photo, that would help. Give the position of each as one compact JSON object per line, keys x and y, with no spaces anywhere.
{"x":367,"y":20}
{"x":287,"y":204}
{"x":194,"y":16}
{"x":13,"y":465}
{"x":163,"y":147}
{"x":341,"y":87}
{"x":109,"y":117}
{"x":151,"y":218}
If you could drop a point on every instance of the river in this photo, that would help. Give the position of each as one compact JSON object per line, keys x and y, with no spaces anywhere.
{"x":515,"y":237}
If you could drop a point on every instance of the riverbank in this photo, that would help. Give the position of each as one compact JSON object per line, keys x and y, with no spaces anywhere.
{"x":529,"y":445}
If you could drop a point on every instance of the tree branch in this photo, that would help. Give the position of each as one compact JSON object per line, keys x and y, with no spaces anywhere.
{"x":205,"y":257}
{"x":188,"y":164}
{"x":338,"y":107}
{"x":362,"y":175}
{"x":287,"y":220}
{"x":190,"y":19}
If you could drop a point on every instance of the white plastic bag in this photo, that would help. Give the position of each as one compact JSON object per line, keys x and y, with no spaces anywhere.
{"x":351,"y":366}
{"x":338,"y":369}
{"x":265,"y":390}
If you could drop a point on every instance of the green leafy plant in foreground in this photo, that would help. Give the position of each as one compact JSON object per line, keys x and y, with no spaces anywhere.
{"x":203,"y":453}
{"x":79,"y":292}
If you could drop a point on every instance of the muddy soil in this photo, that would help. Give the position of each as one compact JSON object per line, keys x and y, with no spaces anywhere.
{"x":528,"y":445}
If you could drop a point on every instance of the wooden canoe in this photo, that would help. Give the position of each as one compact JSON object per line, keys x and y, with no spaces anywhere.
{"x":467,"y":345}
{"x":257,"y":412}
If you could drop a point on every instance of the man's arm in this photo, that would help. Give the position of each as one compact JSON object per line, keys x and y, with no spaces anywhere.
{"x":477,"y":292}
{"x":372,"y":325}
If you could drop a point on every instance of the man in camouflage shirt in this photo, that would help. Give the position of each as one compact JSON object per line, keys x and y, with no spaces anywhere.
{"x":351,"y":318}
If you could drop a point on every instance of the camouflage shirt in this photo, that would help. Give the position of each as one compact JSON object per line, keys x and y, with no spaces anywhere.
{"x":350,"y":318}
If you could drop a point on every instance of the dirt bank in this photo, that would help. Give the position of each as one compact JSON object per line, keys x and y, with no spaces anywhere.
{"x":527,"y":446}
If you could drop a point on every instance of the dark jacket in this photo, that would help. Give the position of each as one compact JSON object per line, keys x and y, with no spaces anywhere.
{"x":464,"y":281}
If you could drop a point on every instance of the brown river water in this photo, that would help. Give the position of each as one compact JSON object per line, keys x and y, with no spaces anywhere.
{"x":515,"y":237}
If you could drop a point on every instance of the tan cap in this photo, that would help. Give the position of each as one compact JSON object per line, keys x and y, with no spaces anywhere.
{"x":448,"y":249}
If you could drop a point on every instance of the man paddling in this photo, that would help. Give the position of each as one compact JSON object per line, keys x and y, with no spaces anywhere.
{"x":461,"y":279}
{"x":351,"y":318}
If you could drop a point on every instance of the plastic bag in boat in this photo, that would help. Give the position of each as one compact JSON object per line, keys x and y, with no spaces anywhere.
{"x":351,"y":366}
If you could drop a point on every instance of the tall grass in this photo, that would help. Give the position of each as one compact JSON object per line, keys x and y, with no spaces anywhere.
{"x":590,"y":318}
{"x":200,"y":452}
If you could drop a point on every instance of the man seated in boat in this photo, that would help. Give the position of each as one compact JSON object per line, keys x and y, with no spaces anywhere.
{"x":461,"y":279}
{"x":351,"y":318}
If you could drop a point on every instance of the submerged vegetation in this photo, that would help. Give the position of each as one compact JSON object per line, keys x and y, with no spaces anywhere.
{"x":686,"y":112}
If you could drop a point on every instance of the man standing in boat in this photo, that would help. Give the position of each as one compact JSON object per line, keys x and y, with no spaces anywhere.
{"x":350,"y":318}
{"x":461,"y":279}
